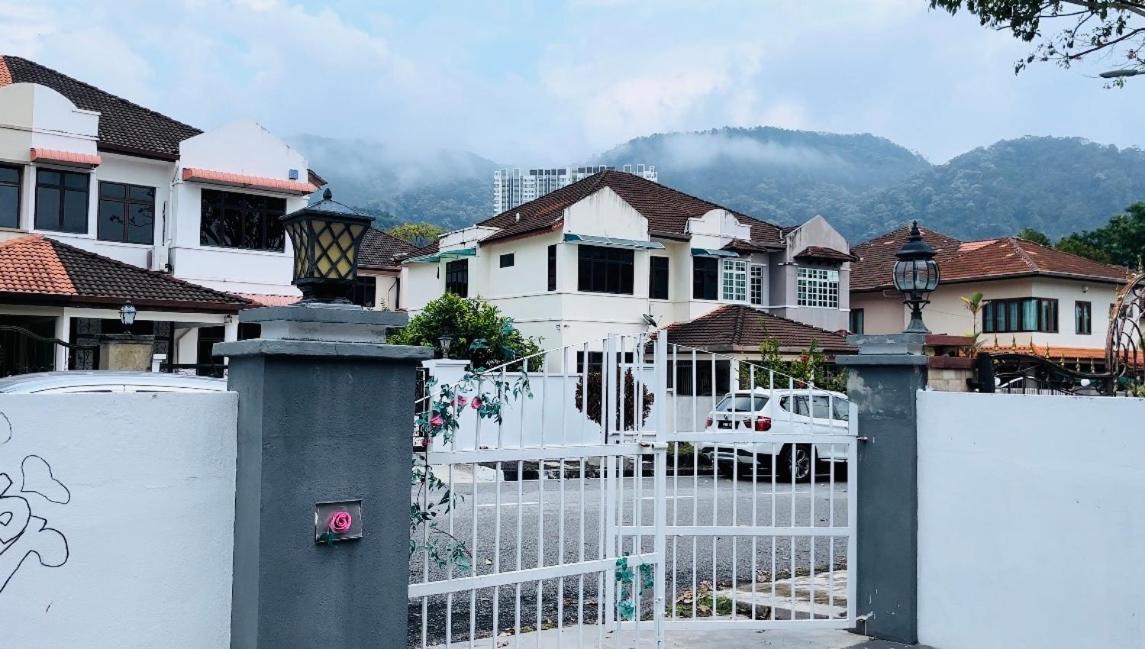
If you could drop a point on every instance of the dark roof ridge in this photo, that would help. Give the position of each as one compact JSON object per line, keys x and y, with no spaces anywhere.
{"x":99,"y":90}
{"x":153,"y":273}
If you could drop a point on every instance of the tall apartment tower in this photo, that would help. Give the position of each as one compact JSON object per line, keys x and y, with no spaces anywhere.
{"x":512,"y":187}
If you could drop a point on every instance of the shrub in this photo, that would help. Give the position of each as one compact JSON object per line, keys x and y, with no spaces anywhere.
{"x":593,"y":404}
{"x":481,"y":333}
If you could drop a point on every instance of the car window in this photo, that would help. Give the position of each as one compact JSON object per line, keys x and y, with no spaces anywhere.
{"x":743,"y":403}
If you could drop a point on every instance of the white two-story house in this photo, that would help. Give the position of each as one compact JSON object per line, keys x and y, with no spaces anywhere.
{"x":615,"y":253}
{"x":94,"y":172}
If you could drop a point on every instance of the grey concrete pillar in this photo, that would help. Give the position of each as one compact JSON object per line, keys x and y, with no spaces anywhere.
{"x":325,"y":415}
{"x":882,"y":381}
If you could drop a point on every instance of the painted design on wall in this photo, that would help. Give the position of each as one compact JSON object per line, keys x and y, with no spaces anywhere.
{"x":22,"y":533}
{"x":38,"y":479}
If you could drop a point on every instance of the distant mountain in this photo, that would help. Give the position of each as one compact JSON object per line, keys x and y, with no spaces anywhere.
{"x":1056,"y":185}
{"x":775,"y":174}
{"x":864,"y":184}
{"x":448,"y":187}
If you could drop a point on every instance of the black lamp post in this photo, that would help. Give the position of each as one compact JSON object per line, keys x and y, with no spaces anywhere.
{"x":326,"y":238}
{"x":916,"y":276}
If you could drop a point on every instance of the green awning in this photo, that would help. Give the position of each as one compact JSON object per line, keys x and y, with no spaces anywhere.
{"x":445,"y":254}
{"x":712,"y":252}
{"x":592,"y":240}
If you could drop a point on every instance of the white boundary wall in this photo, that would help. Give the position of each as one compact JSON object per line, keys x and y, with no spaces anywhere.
{"x":137,"y":513}
{"x":1031,"y":527}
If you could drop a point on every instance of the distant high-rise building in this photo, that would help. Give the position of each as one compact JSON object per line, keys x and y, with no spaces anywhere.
{"x":512,"y":187}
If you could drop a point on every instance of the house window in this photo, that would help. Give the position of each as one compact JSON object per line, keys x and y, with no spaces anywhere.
{"x":9,"y":197}
{"x":705,"y":278}
{"x":234,"y":220}
{"x":604,"y":270}
{"x":658,"y":278}
{"x":818,"y":287}
{"x":61,"y":200}
{"x":735,"y":280}
{"x":508,"y":260}
{"x":457,"y":277}
{"x":755,"y":285}
{"x":126,"y":213}
{"x":1022,"y":314}
{"x":553,"y":267}
{"x":1083,"y":318}
{"x":856,"y":321}
{"x":365,"y":291}
{"x":702,"y":378}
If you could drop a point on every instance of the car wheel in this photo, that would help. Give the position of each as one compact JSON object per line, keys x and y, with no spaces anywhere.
{"x":795,"y":462}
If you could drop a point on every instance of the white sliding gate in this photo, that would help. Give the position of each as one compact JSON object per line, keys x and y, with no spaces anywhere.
{"x":536,"y":524}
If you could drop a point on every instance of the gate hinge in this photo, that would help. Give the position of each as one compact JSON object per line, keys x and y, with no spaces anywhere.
{"x":656,"y":446}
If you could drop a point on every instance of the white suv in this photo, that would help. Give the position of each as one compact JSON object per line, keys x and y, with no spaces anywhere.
{"x":763,"y":411}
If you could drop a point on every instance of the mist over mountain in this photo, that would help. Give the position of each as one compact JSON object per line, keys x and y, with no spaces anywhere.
{"x":863,"y":184}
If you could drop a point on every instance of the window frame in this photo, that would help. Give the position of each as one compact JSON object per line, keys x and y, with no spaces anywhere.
{"x":1011,"y":315}
{"x":457,"y":277}
{"x":551,"y":263}
{"x":62,"y":189}
{"x":705,"y":278}
{"x":365,"y":291}
{"x":127,"y":202}
{"x":757,"y":275}
{"x":611,"y":271}
{"x":510,"y":257}
{"x":659,"y":272}
{"x":1083,"y":314}
{"x":734,"y":281}
{"x":856,"y":316}
{"x":815,"y":288}
{"x":267,"y":216}
{"x":19,"y":187}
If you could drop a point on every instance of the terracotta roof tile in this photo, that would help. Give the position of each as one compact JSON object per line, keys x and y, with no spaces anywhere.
{"x":667,"y":210}
{"x":66,"y":157}
{"x":35,"y":265}
{"x":383,"y":251}
{"x":965,"y":261}
{"x":241,"y":180}
{"x":270,"y":300}
{"x":824,"y":254}
{"x":741,"y":328}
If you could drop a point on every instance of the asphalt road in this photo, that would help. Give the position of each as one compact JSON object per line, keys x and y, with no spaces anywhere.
{"x":532,"y":523}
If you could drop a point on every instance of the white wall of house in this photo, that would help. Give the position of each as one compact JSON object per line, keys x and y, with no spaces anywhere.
{"x":568,"y":316}
{"x":132,"y":526}
{"x":1030,"y":526}
{"x":37,"y":116}
{"x":948,"y":315}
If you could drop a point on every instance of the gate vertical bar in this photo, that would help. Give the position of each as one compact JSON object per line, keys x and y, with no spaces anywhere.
{"x":660,"y":480}
{"x":608,"y":416}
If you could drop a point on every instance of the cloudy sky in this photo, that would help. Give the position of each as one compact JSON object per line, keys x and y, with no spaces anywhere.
{"x":552,"y":82}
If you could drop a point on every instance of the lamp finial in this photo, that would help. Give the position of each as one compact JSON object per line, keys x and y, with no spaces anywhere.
{"x":327,"y":195}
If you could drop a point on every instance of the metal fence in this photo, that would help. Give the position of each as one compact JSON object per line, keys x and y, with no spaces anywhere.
{"x":656,"y":523}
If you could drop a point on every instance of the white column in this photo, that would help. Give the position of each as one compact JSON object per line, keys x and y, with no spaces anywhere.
{"x":63,"y":332}
{"x":230,"y":334}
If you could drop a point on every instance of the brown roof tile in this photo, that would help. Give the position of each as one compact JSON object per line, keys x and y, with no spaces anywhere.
{"x":35,"y":265}
{"x":383,"y":251}
{"x":666,"y":209}
{"x":824,"y":254}
{"x":123,"y":126}
{"x":741,"y":328}
{"x":966,"y":261}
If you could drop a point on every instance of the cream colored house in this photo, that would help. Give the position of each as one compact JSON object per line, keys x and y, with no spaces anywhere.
{"x":1035,"y":299}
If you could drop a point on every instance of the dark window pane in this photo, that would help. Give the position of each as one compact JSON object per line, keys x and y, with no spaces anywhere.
{"x":143,"y":194}
{"x":109,"y":226}
{"x":47,"y":177}
{"x":9,"y":206}
{"x":76,"y":181}
{"x":234,"y":220}
{"x":605,"y":270}
{"x":141,"y":224}
{"x":75,"y":211}
{"x":457,"y":277}
{"x":365,"y":290}
{"x":112,"y":190}
{"x":47,"y":208}
{"x":553,"y":267}
{"x":9,"y":175}
{"x":705,"y":278}
{"x":658,"y":278}
{"x":508,"y":260}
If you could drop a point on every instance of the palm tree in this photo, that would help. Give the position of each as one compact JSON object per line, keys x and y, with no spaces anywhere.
{"x":973,"y":304}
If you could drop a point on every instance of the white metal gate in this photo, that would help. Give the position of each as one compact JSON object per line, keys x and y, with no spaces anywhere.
{"x":536,"y":524}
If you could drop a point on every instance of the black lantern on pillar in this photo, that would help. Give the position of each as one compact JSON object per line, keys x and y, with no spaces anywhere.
{"x":916,"y":276}
{"x":326,"y":237}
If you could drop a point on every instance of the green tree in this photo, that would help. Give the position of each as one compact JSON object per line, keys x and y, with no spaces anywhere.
{"x":1120,"y":241}
{"x":419,"y":234}
{"x":481,"y":333}
{"x":810,"y":367}
{"x":1066,"y":31}
{"x":1036,"y":236}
